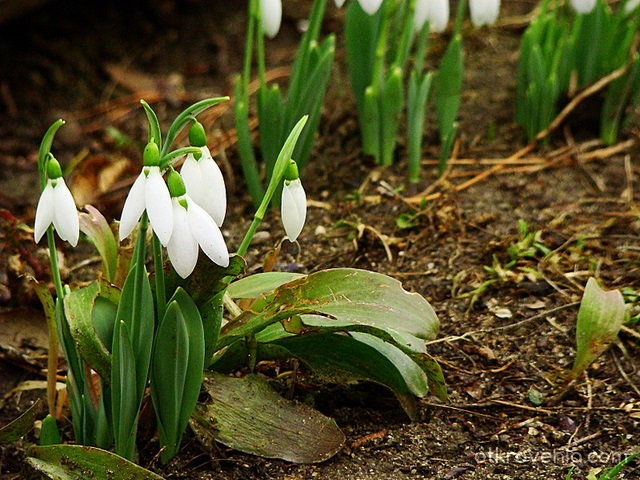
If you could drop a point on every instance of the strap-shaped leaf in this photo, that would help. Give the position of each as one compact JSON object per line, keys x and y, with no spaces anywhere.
{"x":260,"y":284}
{"x":21,"y":425}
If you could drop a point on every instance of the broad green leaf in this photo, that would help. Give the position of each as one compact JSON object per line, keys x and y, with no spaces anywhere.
{"x":136,"y":309}
{"x":600,"y":317}
{"x":96,"y":228}
{"x":126,"y":399}
{"x":248,"y":415}
{"x":260,"y":284}
{"x":77,"y":462}
{"x":358,"y":356}
{"x":175,"y":384}
{"x":21,"y":425}
{"x":362,"y":297}
{"x":78,"y":309}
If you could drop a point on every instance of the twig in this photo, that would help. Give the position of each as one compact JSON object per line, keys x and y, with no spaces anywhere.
{"x":587,"y":92}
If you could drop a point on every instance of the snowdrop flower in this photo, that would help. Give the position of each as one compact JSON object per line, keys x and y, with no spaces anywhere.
{"x":369,"y":6}
{"x":437,"y":13}
{"x":56,"y":206}
{"x":420,"y":14}
{"x":631,"y":5}
{"x":203,"y":178}
{"x":583,"y":6}
{"x":271,"y":13}
{"x":150,"y":193}
{"x":192,"y":228}
{"x":294,"y":203}
{"x":484,"y":12}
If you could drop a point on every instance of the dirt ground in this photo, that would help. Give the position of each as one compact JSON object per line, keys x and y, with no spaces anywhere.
{"x":89,"y":62}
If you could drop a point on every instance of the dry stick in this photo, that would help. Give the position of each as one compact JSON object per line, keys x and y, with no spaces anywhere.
{"x":587,"y":92}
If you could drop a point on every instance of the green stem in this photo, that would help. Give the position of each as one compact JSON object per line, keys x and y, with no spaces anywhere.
{"x":259,"y":34}
{"x":52,"y":327}
{"x":244,"y":245}
{"x":462,"y":8}
{"x":158,"y":263}
{"x":53,"y":258}
{"x":248,"y":49}
{"x":407,"y":35}
{"x":421,"y":49}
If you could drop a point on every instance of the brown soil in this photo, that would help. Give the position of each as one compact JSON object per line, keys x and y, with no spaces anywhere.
{"x":79,"y":60}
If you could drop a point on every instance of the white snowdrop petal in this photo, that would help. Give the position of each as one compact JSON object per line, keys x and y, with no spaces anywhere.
{"x":133,"y":207}
{"x":65,"y":215}
{"x":294,"y":208}
{"x":214,"y":194}
{"x":583,"y":6}
{"x":44,"y":212}
{"x":420,"y":14}
{"x":190,"y":173}
{"x":438,"y":15}
{"x":370,"y":6}
{"x":271,"y":11}
{"x":631,"y":5}
{"x":158,"y":204}
{"x":339,"y":3}
{"x":182,"y":247}
{"x":208,"y":235}
{"x":484,"y":12}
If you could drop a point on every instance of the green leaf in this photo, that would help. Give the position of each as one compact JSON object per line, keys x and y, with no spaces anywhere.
{"x":49,"y":433}
{"x":600,"y":317}
{"x":78,"y":309}
{"x":360,"y":32}
{"x":392,"y":104}
{"x":448,"y":87}
{"x":245,"y":146}
{"x":359,"y":296}
{"x":358,"y":356}
{"x":96,"y":228}
{"x":125,"y":397}
{"x":76,"y":462}
{"x":260,"y":284}
{"x":417,"y":106}
{"x":21,"y":425}
{"x":246,"y":414}
{"x":270,"y":114}
{"x":175,"y":384}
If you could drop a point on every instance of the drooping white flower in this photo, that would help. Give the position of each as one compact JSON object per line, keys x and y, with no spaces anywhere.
{"x":205,"y":184}
{"x":150,"y":193}
{"x":583,"y":6}
{"x":438,"y":15}
{"x":193,"y":228}
{"x":370,"y":6}
{"x":420,"y":14}
{"x":294,"y":208}
{"x":271,"y":13}
{"x":484,"y":12}
{"x":631,"y":5}
{"x":56,"y":206}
